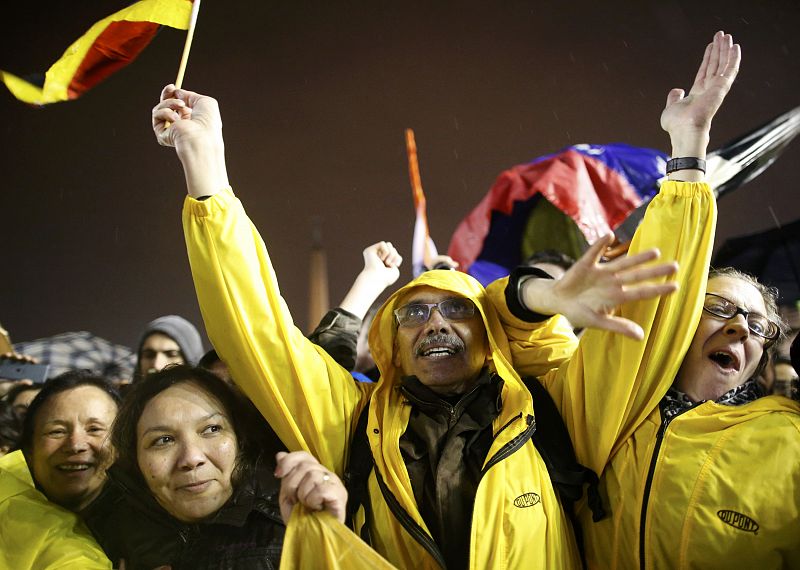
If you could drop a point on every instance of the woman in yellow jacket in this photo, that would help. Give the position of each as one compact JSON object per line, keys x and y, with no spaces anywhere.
{"x":706,"y":473}
{"x":36,"y":533}
{"x":60,"y":470}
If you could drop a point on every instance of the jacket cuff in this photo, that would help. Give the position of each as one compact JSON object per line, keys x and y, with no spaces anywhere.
{"x":204,"y":205}
{"x":339,"y":318}
{"x":513,"y":300}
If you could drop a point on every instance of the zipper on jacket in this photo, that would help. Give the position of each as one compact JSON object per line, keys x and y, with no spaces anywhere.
{"x":188,"y":533}
{"x":416,"y":531}
{"x":453,"y":412}
{"x":650,"y":473}
{"x":513,"y":445}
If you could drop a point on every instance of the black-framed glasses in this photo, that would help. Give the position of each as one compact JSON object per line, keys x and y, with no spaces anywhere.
{"x":757,"y":323}
{"x":415,"y":314}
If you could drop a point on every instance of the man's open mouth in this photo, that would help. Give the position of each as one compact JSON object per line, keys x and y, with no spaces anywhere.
{"x":438,"y":352}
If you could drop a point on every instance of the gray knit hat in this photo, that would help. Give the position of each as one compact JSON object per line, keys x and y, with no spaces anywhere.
{"x":181,"y":331}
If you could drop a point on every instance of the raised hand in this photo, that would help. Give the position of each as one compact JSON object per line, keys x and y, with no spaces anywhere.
{"x":442,"y":261}
{"x":688,"y":118}
{"x":305,"y":480}
{"x":195,"y":130}
{"x":382,"y":263}
{"x":190,"y":114}
{"x":381,"y":269}
{"x":590,"y":291}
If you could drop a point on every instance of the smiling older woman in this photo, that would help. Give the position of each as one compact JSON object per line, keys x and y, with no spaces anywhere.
{"x":61,"y":468}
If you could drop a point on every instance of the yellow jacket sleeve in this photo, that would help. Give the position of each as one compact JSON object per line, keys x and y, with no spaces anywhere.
{"x":536,"y":347}
{"x":309,"y":400}
{"x":612,"y":383}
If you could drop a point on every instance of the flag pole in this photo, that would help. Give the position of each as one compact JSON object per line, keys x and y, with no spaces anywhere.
{"x":423,"y":250}
{"x":413,"y":168}
{"x":187,"y":46}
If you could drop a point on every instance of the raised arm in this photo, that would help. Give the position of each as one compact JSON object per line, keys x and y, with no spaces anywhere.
{"x":338,"y":330}
{"x":688,"y":118}
{"x":381,"y":269}
{"x":613,"y":381}
{"x":308,"y":399}
{"x":590,"y":291}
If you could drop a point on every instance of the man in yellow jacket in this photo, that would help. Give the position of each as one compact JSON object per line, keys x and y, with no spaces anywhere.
{"x":492,"y":502}
{"x":456,"y":481}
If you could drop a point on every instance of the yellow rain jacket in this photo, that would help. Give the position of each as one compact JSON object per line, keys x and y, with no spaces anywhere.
{"x":725,"y":481}
{"x":317,"y":540}
{"x":38,"y":534}
{"x":313,"y":403}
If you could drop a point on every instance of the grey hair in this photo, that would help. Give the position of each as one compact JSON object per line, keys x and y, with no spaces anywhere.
{"x":770,"y":297}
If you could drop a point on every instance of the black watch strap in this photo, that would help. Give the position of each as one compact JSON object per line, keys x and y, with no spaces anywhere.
{"x":686,"y":163}
{"x":513,"y":301}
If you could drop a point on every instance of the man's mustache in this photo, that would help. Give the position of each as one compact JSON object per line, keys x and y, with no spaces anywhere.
{"x":450,"y":341}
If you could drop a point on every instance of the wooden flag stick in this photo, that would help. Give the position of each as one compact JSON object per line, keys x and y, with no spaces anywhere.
{"x":187,"y":46}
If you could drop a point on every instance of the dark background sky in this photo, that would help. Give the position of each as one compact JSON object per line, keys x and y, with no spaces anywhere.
{"x":315,"y":97}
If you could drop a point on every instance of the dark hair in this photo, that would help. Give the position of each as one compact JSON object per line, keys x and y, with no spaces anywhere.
{"x":209,"y":359}
{"x":550,"y":256}
{"x":10,"y":426}
{"x":239,"y":412}
{"x":61,"y":383}
{"x":12,"y":394}
{"x":770,"y":297}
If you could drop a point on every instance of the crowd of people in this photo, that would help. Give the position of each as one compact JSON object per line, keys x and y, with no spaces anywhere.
{"x":413,"y":435}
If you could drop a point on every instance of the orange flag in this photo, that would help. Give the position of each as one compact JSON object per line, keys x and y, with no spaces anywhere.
{"x":423,"y":250}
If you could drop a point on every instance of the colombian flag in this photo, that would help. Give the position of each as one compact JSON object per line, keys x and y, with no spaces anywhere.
{"x":561,"y":201}
{"x":105,"y":48}
{"x":567,"y":200}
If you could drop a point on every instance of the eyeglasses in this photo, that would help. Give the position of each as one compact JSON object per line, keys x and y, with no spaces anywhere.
{"x":416,"y":314}
{"x":758,"y":324}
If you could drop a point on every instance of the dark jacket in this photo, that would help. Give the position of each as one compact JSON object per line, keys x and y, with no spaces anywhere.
{"x":444,"y":449}
{"x":246,"y":533}
{"x":337,"y":333}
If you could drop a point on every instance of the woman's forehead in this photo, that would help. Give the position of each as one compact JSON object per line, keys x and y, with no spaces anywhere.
{"x":78,"y":399}
{"x":180,"y":402}
{"x":84,"y":403}
{"x":738,"y":291}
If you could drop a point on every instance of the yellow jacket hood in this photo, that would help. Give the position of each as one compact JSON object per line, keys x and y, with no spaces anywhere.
{"x":384,"y":328}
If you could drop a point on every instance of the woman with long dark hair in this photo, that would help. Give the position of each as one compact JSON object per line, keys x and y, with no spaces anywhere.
{"x":194,"y":483}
